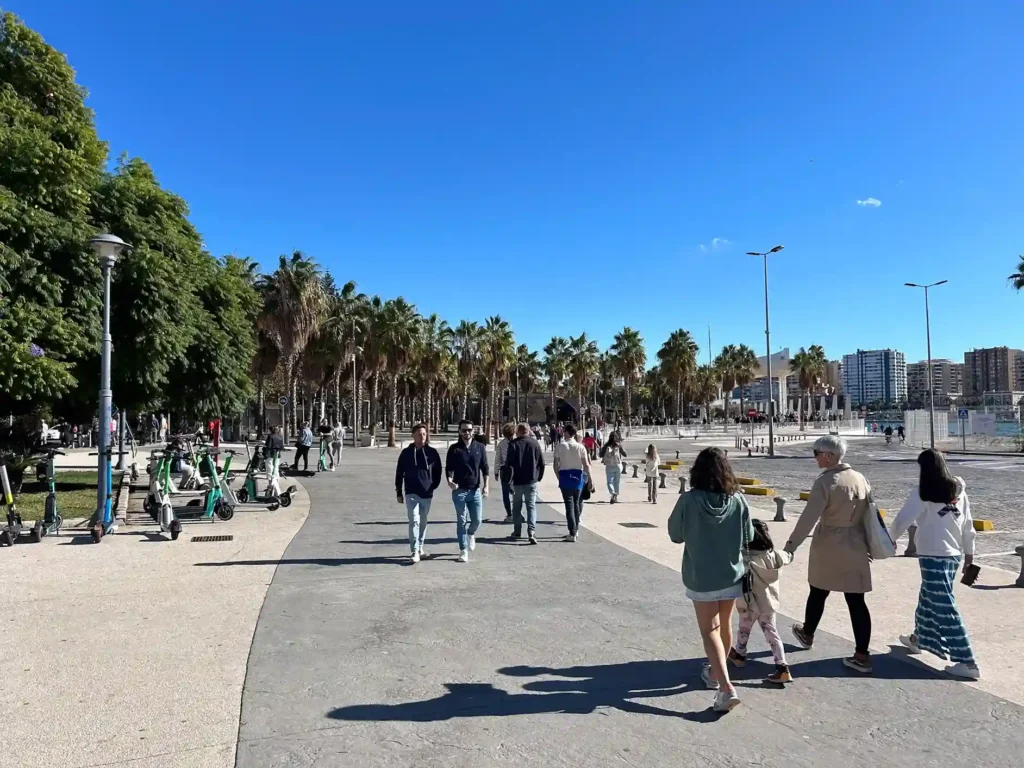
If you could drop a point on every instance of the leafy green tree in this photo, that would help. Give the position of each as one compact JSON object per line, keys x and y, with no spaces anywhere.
{"x":50,"y":163}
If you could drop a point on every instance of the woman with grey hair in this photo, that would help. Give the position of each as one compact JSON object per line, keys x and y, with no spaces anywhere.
{"x":839,"y":561}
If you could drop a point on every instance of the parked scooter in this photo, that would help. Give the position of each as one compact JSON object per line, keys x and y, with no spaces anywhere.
{"x":52,"y":520}
{"x":212,"y":502}
{"x":243,"y":497}
{"x":13,"y":530}
{"x":249,"y":492}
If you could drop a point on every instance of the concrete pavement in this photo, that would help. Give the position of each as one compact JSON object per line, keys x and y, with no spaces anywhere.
{"x":559,"y":654}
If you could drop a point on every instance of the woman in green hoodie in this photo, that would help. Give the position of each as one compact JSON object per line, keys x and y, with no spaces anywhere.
{"x":713,"y":520}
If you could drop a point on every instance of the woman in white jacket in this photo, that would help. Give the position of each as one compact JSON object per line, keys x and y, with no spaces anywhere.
{"x":945,"y":534}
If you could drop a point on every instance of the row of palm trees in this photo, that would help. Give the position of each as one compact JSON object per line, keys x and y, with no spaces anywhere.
{"x":322,"y":346}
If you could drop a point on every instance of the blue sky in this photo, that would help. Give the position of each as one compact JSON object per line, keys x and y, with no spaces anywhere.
{"x":587,"y":165}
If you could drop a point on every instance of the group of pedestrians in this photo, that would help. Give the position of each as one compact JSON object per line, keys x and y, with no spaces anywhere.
{"x":730,"y":562}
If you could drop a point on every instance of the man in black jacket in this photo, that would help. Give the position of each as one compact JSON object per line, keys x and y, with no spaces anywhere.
{"x":526,"y":459}
{"x":419,"y":471}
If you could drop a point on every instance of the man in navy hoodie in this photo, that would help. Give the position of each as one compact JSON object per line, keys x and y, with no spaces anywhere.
{"x":419,"y":470}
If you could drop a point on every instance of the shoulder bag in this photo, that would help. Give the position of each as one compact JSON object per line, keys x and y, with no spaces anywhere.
{"x":880,"y":543}
{"x":748,"y":576}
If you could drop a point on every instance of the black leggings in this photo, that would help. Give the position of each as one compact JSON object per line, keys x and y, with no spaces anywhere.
{"x":302,"y":452}
{"x":860,"y":617}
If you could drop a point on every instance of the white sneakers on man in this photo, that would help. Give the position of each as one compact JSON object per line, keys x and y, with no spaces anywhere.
{"x":464,"y":556}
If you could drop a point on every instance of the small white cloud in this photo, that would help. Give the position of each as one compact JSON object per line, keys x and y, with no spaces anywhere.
{"x":872,"y":202}
{"x":716,"y":244}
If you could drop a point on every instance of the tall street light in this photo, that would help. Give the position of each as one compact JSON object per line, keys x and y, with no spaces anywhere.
{"x":108,"y":248}
{"x":928,"y":333}
{"x":768,"y":345}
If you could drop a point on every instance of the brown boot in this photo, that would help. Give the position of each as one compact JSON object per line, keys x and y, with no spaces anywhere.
{"x":781,"y":675}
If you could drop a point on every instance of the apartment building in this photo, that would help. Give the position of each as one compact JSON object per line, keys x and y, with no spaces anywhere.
{"x":875,"y":376}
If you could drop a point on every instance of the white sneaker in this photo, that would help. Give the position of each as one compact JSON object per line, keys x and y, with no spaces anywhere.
{"x":910,"y":642}
{"x":569,"y":537}
{"x":415,"y":557}
{"x":963,"y":670}
{"x":709,"y":681}
{"x":464,"y":556}
{"x":725,"y":701}
{"x":472,"y":543}
{"x":423,"y":551}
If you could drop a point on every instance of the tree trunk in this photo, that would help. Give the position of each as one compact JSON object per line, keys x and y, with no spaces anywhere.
{"x":374,"y":400}
{"x":289,"y":363}
{"x":393,"y":380}
{"x":629,"y":400}
{"x":554,"y":404}
{"x":465,"y":399}
{"x":428,"y":416}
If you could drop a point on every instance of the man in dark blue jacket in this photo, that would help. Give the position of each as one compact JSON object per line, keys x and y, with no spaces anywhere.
{"x":525,"y":458}
{"x":466,"y":468}
{"x":419,"y":471}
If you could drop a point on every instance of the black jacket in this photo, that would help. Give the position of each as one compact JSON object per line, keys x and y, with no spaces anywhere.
{"x":419,"y":469}
{"x":464,"y":465}
{"x":526,"y":459}
{"x":274,"y":445}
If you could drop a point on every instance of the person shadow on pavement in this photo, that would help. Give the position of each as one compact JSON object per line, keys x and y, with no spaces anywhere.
{"x":583,"y":690}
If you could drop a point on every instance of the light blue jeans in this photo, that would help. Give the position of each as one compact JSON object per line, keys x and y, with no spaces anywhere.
{"x":418,"y":508}
{"x":613,"y":474}
{"x":468,"y":512}
{"x":521,"y":493}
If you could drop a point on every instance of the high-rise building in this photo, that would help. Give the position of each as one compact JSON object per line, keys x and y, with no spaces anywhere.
{"x":875,"y":376}
{"x":995,"y":369}
{"x":947,"y":381}
{"x":757,"y":391}
{"x":834,"y":376}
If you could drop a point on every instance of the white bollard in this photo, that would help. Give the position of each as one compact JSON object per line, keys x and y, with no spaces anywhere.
{"x":780,"y":511}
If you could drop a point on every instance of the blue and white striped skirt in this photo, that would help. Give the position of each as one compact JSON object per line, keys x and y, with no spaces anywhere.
{"x":939,"y":628}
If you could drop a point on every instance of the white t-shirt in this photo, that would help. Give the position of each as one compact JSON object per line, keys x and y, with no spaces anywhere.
{"x":339,"y":433}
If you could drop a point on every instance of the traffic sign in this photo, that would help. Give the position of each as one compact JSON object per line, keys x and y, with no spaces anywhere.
{"x":751,"y":413}
{"x":595,"y":410}
{"x":282,"y":401}
{"x":963,"y":414}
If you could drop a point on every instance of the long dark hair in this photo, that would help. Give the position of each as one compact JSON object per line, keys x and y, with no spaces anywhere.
{"x":937,"y":484}
{"x":762,"y":541}
{"x":613,"y":441}
{"x":711,"y":472}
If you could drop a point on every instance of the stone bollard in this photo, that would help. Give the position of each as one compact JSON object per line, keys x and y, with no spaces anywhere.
{"x":662,"y":483}
{"x":749,"y":454}
{"x":635,"y":468}
{"x":682,"y":490}
{"x":625,"y":467}
{"x":780,"y":510}
{"x":677,"y":454}
{"x":911,"y":550}
{"x":1020,"y":554}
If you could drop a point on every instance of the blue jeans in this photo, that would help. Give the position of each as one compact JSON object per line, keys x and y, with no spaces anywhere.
{"x":468,"y":510}
{"x":519,"y":494}
{"x":506,"y":496}
{"x":418,"y":508}
{"x":613,"y":474}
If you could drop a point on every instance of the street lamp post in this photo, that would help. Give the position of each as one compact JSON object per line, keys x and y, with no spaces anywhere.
{"x":928,"y":335}
{"x":108,"y":248}
{"x":768,"y":345}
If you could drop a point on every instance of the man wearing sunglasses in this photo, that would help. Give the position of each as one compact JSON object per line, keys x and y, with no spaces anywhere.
{"x":466,"y":469}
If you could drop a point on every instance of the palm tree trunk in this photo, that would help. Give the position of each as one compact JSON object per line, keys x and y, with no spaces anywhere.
{"x":337,"y":395}
{"x":393,"y":380}
{"x":429,"y":409}
{"x":629,"y":401}
{"x":374,"y":400}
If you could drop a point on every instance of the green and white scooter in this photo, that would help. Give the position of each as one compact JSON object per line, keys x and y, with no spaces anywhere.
{"x":12,"y":531}
{"x":272,"y":496}
{"x":52,"y":520}
{"x":212,"y":503}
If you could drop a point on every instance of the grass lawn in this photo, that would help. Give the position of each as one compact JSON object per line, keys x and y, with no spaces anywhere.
{"x":76,"y":496}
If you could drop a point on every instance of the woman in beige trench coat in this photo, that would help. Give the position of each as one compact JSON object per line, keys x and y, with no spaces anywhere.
{"x":839,"y":559}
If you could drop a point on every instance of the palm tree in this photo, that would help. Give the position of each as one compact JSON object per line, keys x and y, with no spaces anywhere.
{"x":744,"y":369}
{"x":678,"y":363}
{"x":629,"y":358}
{"x":466,"y":344}
{"x":398,"y":331}
{"x":264,"y":363}
{"x":293,"y":310}
{"x":809,"y":366}
{"x":725,"y":364}
{"x":529,"y":374}
{"x":583,"y":364}
{"x":556,"y":368}
{"x":499,"y":354}
{"x":374,"y":360}
{"x":1017,"y":278}
{"x":704,"y":387}
{"x":436,"y":339}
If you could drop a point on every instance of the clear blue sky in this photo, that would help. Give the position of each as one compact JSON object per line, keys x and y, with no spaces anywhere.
{"x":587,"y":165}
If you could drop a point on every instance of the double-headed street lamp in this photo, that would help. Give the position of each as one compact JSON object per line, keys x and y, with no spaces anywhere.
{"x":928,"y":333}
{"x":768,"y":345}
{"x":108,"y":248}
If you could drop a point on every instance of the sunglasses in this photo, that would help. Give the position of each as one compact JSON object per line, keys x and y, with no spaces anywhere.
{"x":466,"y":431}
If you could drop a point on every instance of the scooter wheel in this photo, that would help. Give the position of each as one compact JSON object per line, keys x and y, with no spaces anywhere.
{"x":58,"y":524}
{"x":243,"y":496}
{"x":175,"y":530}
{"x":286,"y":499}
{"x":37,"y":532}
{"x":224,"y":511}
{"x":97,"y":533}
{"x":7,"y":538}
{"x":273,"y":506}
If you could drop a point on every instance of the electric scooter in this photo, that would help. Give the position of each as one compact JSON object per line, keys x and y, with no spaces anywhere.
{"x":106,"y":522}
{"x":52,"y":520}
{"x":212,"y":502}
{"x":229,"y":493}
{"x":164,"y":512}
{"x":12,"y":531}
{"x":325,"y":455}
{"x":273,"y":495}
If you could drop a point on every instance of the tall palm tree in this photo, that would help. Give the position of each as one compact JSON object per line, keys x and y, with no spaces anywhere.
{"x":399,"y":332}
{"x":556,"y":369}
{"x":725,"y":364}
{"x":744,"y":369}
{"x":374,"y":360}
{"x":264,"y":363}
{"x":436,"y":339}
{"x":583,"y":364}
{"x":293,"y":309}
{"x":528,"y":372}
{"x":678,"y":363}
{"x":499,"y":355}
{"x":1017,"y":278}
{"x":630,"y":359}
{"x":704,"y":387}
{"x":466,"y":344}
{"x":809,"y":366}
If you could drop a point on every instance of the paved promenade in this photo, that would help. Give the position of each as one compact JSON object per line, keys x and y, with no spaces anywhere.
{"x":561,"y":654}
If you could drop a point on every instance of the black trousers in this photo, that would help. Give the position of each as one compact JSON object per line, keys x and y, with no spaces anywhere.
{"x":860,"y":616}
{"x":302,"y":452}
{"x":573,"y":508}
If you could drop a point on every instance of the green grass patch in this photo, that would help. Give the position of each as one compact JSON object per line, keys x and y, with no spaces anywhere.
{"x":76,"y":496}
